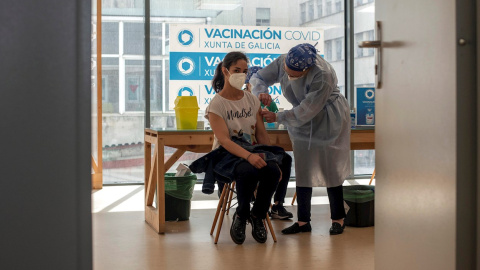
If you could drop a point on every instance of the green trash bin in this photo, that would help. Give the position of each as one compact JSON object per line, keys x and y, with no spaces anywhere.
{"x":178,"y":196}
{"x":359,"y":205}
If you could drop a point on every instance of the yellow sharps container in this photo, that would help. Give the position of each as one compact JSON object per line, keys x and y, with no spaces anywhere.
{"x":186,"y":112}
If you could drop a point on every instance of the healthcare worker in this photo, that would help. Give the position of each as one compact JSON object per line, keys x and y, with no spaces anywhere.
{"x":318,"y":125}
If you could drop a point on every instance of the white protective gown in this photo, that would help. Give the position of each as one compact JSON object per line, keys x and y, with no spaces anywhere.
{"x":318,"y":124}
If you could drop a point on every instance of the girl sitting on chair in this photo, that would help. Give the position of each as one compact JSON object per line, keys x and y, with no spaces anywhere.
{"x":234,"y":115}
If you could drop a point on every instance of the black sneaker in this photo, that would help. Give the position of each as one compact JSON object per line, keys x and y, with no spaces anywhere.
{"x":278,"y":211}
{"x":295,"y":228}
{"x":336,"y":228}
{"x":259,"y":232}
{"x":237,"y":231}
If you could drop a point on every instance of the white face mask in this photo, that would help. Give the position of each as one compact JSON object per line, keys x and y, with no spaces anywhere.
{"x":237,"y":80}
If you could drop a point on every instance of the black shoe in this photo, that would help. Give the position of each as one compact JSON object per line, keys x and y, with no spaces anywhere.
{"x":278,"y":211}
{"x":237,"y":231}
{"x":295,"y":228}
{"x":336,"y":228}
{"x":259,"y":232}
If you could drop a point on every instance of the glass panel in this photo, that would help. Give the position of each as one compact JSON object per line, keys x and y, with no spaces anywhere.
{"x":94,"y":116}
{"x":364,"y":161}
{"x":364,"y":76}
{"x":123,"y":83}
{"x":109,"y":38}
{"x":156,"y":82}
{"x":339,"y":48}
{"x":134,"y":38}
{"x":156,"y":38}
{"x":134,"y":78}
{"x":111,"y":89}
{"x":283,"y":13}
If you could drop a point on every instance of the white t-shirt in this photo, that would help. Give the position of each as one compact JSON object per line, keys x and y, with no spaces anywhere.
{"x":239,"y":115}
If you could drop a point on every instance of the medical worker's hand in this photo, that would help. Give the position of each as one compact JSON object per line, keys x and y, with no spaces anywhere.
{"x":266,"y":99}
{"x":256,"y":161}
{"x":269,"y":116}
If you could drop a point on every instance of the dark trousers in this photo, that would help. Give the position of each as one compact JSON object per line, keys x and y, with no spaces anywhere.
{"x":335,"y":197}
{"x":247,"y":179}
{"x":286,"y":168}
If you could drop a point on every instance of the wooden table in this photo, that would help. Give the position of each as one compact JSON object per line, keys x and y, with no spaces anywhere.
{"x":200,"y":141}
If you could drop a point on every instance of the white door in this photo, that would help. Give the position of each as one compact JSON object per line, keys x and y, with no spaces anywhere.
{"x":415,"y":226}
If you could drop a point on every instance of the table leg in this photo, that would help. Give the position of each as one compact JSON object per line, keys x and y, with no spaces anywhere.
{"x":161,"y":184}
{"x":155,"y":180}
{"x":373,"y":176}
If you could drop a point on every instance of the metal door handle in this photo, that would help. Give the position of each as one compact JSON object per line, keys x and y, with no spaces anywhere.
{"x":377,"y":44}
{"x":370,"y":44}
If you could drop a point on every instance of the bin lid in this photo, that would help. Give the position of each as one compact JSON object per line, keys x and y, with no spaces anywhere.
{"x":359,"y":193}
{"x":180,"y":187}
{"x":186,"y":102}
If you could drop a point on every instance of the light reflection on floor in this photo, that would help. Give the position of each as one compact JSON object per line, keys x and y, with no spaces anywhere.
{"x":131,"y":197}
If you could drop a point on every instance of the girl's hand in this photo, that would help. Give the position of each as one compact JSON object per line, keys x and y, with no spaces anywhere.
{"x":256,"y":161}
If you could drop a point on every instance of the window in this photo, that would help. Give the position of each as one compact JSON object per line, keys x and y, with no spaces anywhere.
{"x":329,"y":7}
{"x":328,"y":50}
{"x":123,"y":85}
{"x":110,"y":67}
{"x":303,"y":13}
{"x":133,"y":88}
{"x":153,"y":86}
{"x":319,"y":8}
{"x":155,"y":38}
{"x":358,"y":39}
{"x":109,"y":38}
{"x":263,"y":17}
{"x":311,"y":10}
{"x":364,"y":74}
{"x":338,"y":49}
{"x":370,"y":36}
{"x":134,"y":38}
{"x":338,"y":6}
{"x":120,"y":4}
{"x":104,"y":88}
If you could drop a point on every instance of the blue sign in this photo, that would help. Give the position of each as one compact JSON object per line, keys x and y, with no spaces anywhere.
{"x":185,"y":89}
{"x":185,"y":37}
{"x":197,"y":49}
{"x":194,"y":66}
{"x":365,"y":106}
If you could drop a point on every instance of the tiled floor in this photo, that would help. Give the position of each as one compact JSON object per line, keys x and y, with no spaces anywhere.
{"x":122,"y":239}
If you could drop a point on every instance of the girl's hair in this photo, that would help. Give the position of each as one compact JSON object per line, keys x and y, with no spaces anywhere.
{"x":230,"y":59}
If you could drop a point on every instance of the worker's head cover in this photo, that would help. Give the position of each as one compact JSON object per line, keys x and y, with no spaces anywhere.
{"x":251,"y":71}
{"x":301,"y":57}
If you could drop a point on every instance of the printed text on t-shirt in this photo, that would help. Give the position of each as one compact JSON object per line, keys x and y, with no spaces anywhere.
{"x":243,"y":114}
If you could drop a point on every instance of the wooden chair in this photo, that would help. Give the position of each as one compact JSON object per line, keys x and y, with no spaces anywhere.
{"x":224,"y":205}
